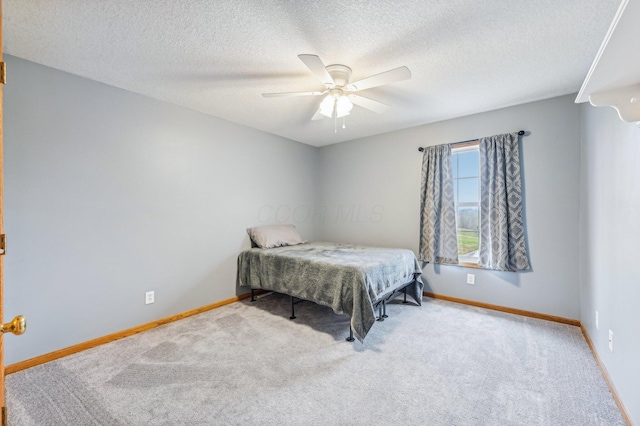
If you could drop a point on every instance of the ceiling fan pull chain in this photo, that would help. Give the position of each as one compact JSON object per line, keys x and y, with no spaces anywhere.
{"x":344,"y":126}
{"x":335,"y":124}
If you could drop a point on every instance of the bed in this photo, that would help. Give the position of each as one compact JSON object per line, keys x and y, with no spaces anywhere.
{"x":350,"y":279}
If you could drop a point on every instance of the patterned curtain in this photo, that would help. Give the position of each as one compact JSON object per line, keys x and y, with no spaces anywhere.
{"x":503,"y":244}
{"x":438,"y":239}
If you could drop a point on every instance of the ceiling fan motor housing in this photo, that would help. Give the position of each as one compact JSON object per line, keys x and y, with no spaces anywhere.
{"x":340,"y":74}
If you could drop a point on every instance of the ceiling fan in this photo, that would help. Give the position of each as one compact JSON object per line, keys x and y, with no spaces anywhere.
{"x":340,"y":94}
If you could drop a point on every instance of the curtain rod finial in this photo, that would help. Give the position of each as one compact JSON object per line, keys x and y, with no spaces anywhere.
{"x":521,"y":132}
{"x":421,"y":149}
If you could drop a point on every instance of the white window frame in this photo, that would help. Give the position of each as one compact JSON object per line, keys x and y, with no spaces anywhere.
{"x":461,"y":150}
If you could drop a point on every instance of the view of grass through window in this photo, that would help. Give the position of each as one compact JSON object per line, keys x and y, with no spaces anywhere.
{"x":466,"y":186}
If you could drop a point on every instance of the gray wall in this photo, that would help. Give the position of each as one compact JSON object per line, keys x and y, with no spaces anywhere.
{"x":369,"y":190}
{"x":110,"y":194}
{"x":610,"y":229}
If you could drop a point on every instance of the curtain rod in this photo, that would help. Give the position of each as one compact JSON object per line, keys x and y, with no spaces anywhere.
{"x":421,"y":149}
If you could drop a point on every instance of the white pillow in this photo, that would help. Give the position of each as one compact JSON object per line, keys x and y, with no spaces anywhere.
{"x":269,"y":236}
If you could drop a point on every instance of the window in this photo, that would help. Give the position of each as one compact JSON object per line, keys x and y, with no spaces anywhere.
{"x":454,"y":226}
{"x":466,"y":187}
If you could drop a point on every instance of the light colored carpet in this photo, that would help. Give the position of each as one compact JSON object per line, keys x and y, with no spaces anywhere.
{"x":247,"y":363}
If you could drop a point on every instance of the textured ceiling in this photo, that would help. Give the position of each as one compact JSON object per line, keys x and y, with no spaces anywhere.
{"x":217,"y":57}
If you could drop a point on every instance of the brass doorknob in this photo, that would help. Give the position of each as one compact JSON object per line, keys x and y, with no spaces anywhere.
{"x":17,"y":326}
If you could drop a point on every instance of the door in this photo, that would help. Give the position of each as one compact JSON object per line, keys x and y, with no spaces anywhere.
{"x":19,"y":324}
{"x":3,"y":413}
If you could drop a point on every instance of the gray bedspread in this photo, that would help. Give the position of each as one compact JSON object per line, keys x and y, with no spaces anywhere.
{"x":345,"y":277}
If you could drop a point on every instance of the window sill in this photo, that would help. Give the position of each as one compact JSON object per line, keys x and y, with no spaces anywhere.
{"x":469,"y":265}
{"x":472,"y":266}
{"x":462,"y":264}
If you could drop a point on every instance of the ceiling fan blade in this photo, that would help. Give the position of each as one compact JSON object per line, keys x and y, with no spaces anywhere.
{"x":288,"y":94}
{"x":369,"y":104}
{"x":314,"y":63}
{"x":387,"y":77}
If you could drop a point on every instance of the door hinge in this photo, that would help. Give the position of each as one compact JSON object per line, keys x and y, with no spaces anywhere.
{"x":3,"y":244}
{"x":3,"y":420}
{"x":3,"y":72}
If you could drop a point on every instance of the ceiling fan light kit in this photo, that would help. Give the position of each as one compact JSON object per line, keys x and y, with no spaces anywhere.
{"x":340,"y":97}
{"x":343,"y":106}
{"x":326,"y":106}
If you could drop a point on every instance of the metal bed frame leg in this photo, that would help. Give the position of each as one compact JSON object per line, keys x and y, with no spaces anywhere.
{"x":293,"y":309}
{"x":405,"y":296}
{"x":253,"y":297}
{"x":380,"y":317}
{"x":350,"y":338}
{"x":384,"y":309}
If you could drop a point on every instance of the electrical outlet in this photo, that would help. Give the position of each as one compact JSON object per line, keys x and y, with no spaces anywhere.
{"x":149,"y":297}
{"x":597,"y":321}
{"x":471,"y":279}
{"x":611,"y":340}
